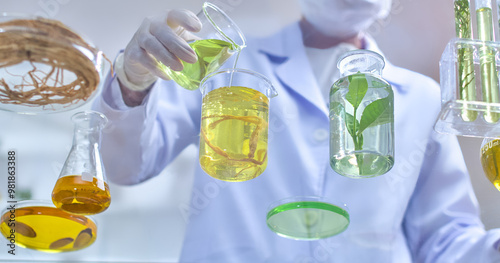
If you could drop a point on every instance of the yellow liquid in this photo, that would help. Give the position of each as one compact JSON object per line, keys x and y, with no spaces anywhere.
{"x":48,"y":229}
{"x":490,"y":160}
{"x":234,"y":127}
{"x":74,"y":195}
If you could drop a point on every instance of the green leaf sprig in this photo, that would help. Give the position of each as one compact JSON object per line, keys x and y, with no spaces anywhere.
{"x":374,"y":114}
{"x":462,"y":19}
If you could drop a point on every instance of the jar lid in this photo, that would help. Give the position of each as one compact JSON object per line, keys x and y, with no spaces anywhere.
{"x":361,"y":60}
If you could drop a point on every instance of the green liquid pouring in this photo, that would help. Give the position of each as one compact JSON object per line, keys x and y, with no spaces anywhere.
{"x":212,"y":53}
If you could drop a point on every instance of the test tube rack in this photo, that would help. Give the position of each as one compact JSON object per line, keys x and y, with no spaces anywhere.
{"x":450,"y":120}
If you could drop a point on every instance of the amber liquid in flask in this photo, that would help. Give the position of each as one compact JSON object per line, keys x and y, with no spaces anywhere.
{"x":234,"y":129}
{"x":82,"y":186}
{"x":72,"y":193}
{"x":490,"y":160}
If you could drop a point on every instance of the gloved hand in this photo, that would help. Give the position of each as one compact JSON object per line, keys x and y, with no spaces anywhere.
{"x":158,"y":39}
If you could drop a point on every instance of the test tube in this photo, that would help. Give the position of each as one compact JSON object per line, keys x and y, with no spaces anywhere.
{"x":465,"y":60}
{"x":489,"y":77}
{"x":498,"y":13}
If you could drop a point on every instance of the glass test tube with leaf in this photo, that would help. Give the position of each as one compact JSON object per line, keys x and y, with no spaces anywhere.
{"x":465,"y":60}
{"x":361,"y":117}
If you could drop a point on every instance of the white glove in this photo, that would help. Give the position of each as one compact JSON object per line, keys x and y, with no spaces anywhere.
{"x":158,"y":39}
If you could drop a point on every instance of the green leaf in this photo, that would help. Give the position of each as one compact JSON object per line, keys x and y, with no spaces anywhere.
{"x":358,"y":85}
{"x":375,"y":84}
{"x":360,"y":142}
{"x":376,"y":113}
{"x":337,"y":108}
{"x":351,"y":124}
{"x":462,"y":19}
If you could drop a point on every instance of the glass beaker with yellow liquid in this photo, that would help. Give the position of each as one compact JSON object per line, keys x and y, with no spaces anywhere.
{"x":217,"y":41}
{"x":490,"y":160}
{"x":40,"y":226}
{"x":82,"y":186}
{"x":234,"y":124}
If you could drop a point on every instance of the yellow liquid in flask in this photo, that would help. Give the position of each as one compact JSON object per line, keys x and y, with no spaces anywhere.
{"x":490,"y":160}
{"x":74,"y":195}
{"x":234,"y":130}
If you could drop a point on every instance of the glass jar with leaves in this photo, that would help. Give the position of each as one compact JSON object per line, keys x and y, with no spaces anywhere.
{"x":361,"y":117}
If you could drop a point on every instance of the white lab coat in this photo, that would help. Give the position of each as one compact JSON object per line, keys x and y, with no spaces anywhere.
{"x":424,"y":209}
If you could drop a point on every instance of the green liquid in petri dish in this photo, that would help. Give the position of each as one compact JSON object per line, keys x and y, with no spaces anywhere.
{"x":212,"y":53}
{"x":307,"y":220}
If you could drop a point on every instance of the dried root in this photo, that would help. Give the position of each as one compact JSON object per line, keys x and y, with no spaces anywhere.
{"x":50,"y":43}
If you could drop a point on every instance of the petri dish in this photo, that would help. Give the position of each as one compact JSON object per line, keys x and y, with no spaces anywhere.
{"x":307,"y":218}
{"x":39,"y":225}
{"x":45,"y":66}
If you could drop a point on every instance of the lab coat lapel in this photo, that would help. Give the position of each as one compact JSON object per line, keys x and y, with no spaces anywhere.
{"x":294,"y":72}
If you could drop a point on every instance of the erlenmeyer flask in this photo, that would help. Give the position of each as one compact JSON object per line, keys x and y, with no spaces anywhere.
{"x":490,"y":160}
{"x":82,"y":186}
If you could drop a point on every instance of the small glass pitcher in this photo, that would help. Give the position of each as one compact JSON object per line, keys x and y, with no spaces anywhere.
{"x":234,"y":124}
{"x":361,"y":117}
{"x":218,"y":40}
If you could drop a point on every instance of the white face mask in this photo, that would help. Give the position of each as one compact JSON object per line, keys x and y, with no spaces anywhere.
{"x":343,"y":18}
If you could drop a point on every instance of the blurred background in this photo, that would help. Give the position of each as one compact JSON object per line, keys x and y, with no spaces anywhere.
{"x":146,"y":222}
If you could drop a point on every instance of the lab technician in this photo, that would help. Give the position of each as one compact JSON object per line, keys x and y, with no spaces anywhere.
{"x":423,"y":210}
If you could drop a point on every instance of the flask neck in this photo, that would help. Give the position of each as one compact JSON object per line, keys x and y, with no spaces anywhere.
{"x":86,"y":137}
{"x":361,"y":61}
{"x":88,"y":127}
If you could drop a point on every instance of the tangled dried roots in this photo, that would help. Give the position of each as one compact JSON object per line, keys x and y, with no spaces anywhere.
{"x":51,"y":43}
